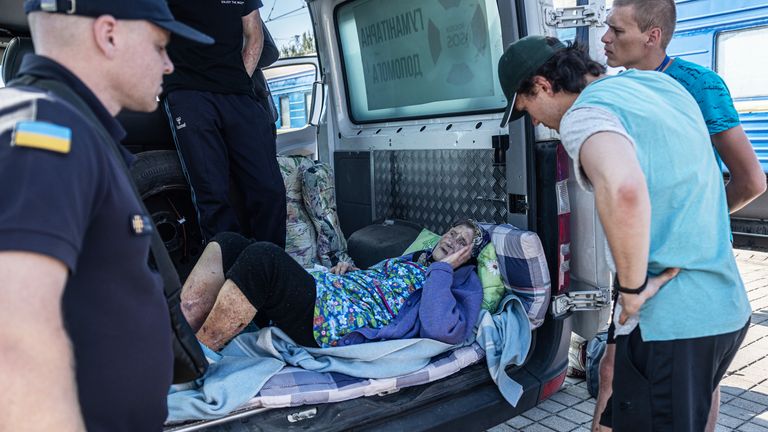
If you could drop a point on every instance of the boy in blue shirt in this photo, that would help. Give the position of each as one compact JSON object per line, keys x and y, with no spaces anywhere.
{"x":639,"y":32}
{"x":639,"y":141}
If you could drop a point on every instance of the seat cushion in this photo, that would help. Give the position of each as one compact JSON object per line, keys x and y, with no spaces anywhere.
{"x":523,"y":268}
{"x":319,"y":194}
{"x":300,"y":233}
{"x":490,"y":277}
{"x":427,"y":240}
{"x":380,"y":241}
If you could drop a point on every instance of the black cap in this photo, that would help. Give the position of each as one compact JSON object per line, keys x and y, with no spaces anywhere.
{"x":519,"y":62}
{"x":154,"y":11}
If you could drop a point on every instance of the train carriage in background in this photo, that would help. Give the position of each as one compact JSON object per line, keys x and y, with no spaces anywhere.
{"x":731,"y":38}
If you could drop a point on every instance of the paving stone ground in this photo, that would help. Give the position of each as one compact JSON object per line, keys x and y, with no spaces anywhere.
{"x":744,"y":404}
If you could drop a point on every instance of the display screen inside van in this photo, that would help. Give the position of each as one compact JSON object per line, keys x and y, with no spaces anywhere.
{"x":420,"y":58}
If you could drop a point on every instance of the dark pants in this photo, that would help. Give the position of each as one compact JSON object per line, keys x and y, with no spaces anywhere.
{"x":667,"y":385}
{"x":282,"y":292}
{"x":223,"y":136}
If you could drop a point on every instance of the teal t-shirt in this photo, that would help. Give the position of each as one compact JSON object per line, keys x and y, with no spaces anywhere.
{"x":689,"y":215}
{"x":710,"y":93}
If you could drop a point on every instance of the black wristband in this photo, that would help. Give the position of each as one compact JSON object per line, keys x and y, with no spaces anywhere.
{"x":621,"y":289}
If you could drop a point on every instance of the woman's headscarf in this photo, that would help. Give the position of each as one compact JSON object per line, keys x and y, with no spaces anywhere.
{"x":480,"y":238}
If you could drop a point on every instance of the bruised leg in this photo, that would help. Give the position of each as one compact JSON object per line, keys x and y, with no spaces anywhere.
{"x":262,"y":277}
{"x":275,"y":284}
{"x":229,"y":316}
{"x":202,"y":286}
{"x":207,"y":277}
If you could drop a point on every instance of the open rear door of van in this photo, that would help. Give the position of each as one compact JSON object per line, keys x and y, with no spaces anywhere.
{"x":584,"y":276}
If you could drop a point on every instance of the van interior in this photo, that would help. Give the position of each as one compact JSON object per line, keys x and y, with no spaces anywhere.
{"x":404,"y":108}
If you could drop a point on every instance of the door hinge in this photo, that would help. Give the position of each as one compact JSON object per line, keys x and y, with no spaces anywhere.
{"x":577,"y":16}
{"x":579,"y":301}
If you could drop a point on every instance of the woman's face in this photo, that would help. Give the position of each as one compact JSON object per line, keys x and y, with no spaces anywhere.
{"x":452,"y":241}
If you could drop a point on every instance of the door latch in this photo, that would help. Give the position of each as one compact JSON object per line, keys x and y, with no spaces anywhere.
{"x":579,"y":301}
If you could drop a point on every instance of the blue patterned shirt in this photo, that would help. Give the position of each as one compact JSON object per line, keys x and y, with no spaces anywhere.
{"x":710,"y":93}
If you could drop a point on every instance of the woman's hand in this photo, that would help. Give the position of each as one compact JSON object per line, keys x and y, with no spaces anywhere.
{"x":343,"y":267}
{"x":631,"y":303}
{"x":459,"y":257}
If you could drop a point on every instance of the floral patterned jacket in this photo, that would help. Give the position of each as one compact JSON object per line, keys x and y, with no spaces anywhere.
{"x":445,"y":307}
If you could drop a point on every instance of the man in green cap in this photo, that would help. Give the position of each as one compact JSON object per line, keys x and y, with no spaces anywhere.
{"x":639,"y":142}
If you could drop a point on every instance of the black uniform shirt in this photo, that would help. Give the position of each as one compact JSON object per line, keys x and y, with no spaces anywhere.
{"x":216,"y":68}
{"x":77,"y":206}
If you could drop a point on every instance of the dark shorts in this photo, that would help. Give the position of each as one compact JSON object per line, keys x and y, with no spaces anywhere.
{"x":667,"y":385}
{"x":282,"y":292}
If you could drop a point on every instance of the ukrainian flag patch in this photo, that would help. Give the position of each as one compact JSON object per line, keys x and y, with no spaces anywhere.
{"x":43,"y":136}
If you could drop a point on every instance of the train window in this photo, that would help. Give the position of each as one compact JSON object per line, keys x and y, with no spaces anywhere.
{"x":285,"y":112}
{"x":742,"y":61}
{"x":417,"y":58}
{"x":289,"y":84}
{"x":307,"y":103}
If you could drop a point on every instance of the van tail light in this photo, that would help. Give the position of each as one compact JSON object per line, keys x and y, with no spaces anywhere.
{"x":563,"y":222}
{"x":552,"y":386}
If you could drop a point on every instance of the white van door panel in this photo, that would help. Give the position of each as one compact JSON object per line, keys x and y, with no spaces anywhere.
{"x":589,"y":268}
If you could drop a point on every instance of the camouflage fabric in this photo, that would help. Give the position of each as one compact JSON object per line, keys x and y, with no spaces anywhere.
{"x":319,"y":196}
{"x":300,"y":233}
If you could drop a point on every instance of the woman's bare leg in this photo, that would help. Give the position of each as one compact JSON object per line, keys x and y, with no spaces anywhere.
{"x":228,"y":317}
{"x":202,"y":286}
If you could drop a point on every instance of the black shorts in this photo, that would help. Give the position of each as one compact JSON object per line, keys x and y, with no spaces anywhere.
{"x":282,"y":292}
{"x":667,"y":385}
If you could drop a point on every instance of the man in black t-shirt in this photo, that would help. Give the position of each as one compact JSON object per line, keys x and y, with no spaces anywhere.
{"x":85,"y":335}
{"x":221,"y":127}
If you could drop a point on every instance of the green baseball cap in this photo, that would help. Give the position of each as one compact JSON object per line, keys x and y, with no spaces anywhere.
{"x":519,"y":62}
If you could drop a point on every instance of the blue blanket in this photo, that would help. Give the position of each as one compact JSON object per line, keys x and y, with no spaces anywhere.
{"x":506,"y":338}
{"x":242,"y":369}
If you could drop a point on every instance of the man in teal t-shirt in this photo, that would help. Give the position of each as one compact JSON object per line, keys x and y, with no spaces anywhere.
{"x":639,"y":32}
{"x":640,"y":143}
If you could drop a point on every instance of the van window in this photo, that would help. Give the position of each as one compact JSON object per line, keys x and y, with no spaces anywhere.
{"x":418,"y":58}
{"x":742,"y":61}
{"x":289,"y":84}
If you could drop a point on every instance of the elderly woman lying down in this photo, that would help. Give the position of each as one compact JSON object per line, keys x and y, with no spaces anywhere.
{"x":432,"y":294}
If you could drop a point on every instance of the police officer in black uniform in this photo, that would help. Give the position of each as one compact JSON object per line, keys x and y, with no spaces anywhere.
{"x":85,"y":337}
{"x":221,"y":127}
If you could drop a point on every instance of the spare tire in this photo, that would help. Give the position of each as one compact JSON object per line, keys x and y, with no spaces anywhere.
{"x":167,"y":196}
